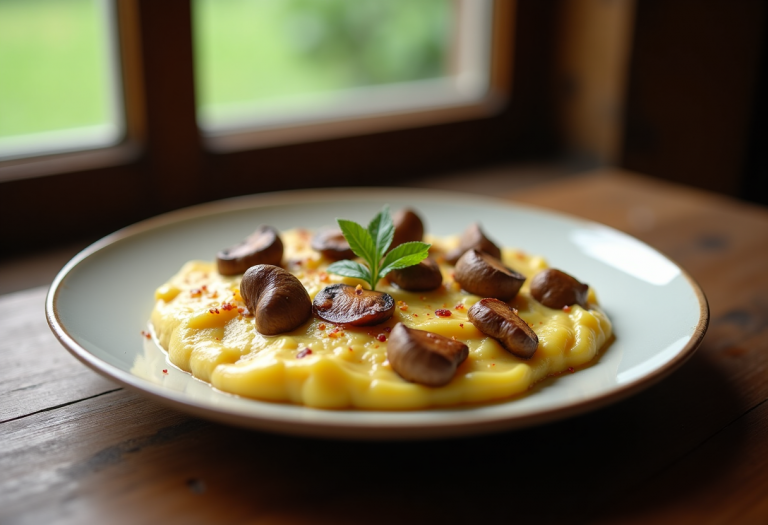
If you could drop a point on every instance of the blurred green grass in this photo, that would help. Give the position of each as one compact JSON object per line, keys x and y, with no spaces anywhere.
{"x":51,"y":66}
{"x":54,"y":53}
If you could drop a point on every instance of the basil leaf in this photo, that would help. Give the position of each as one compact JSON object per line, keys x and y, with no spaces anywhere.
{"x":349,"y":268}
{"x":407,"y":254}
{"x":359,"y":240}
{"x":382,"y":231}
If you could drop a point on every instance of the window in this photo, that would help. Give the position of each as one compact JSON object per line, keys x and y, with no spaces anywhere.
{"x":178,"y":142}
{"x":266,"y":64}
{"x":59,"y":87}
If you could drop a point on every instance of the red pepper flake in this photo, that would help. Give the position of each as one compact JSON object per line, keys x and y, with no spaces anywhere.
{"x":165,"y":371}
{"x":571,"y":370}
{"x":442,"y":312}
{"x":227,"y":307}
{"x":323,"y":277}
{"x":415,"y":315}
{"x":459,"y":306}
{"x":493,"y":364}
{"x":566,"y":308}
{"x":205,"y":286}
{"x":461,"y":325}
{"x":214,"y":295}
{"x":214,"y":311}
{"x":381,"y":338}
{"x":195,"y":292}
{"x":387,"y":329}
{"x":321,"y":326}
{"x":350,"y":349}
{"x":304,"y":353}
{"x":146,"y":334}
{"x":240,"y":309}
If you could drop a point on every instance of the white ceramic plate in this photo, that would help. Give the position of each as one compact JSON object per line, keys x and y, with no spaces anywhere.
{"x":101,"y":301}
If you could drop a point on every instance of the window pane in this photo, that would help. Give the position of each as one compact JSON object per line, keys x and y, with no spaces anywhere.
{"x":266,"y":62}
{"x":57,"y":81}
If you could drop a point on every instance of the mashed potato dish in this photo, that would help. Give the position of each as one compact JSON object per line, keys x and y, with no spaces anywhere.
{"x":452,"y":344}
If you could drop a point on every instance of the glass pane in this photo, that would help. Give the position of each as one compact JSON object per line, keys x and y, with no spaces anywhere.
{"x":57,"y":87}
{"x":276,"y":61}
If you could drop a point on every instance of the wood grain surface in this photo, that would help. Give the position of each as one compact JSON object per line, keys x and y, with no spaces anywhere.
{"x":76,"y":448}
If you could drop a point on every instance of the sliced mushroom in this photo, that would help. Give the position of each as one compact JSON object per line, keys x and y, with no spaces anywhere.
{"x":261,"y":247}
{"x":408,"y":227}
{"x":557,"y":289}
{"x":473,"y":237}
{"x":424,"y":357}
{"x":345,"y":304}
{"x":497,"y":319}
{"x":276,"y":298}
{"x":486,"y":276}
{"x":421,"y":277}
{"x":332,"y":245}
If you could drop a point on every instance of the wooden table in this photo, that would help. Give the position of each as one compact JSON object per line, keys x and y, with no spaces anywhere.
{"x":76,"y":448}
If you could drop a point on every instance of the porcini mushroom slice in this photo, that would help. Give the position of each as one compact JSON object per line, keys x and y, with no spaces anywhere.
{"x":408,"y":227}
{"x":497,"y":319}
{"x":345,"y":304}
{"x":424,"y":357}
{"x":261,"y":247}
{"x":486,"y":276}
{"x":473,"y":237}
{"x":332,"y":245}
{"x":557,"y":289}
{"x":276,"y":298}
{"x":422,"y":277}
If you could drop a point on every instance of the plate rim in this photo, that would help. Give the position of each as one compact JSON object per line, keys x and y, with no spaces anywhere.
{"x":333,"y":428}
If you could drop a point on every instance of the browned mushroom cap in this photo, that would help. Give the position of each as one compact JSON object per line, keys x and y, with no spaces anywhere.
{"x":498,"y":320}
{"x":484,"y":275}
{"x":421,"y":277}
{"x":276,"y":298}
{"x":408,"y":227}
{"x":473,"y":237}
{"x":424,"y":357}
{"x":332,"y":245}
{"x":345,"y":304}
{"x":261,"y":247}
{"x":557,"y":289}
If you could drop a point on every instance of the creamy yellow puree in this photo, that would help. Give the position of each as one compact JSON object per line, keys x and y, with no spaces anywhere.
{"x":201,"y":320}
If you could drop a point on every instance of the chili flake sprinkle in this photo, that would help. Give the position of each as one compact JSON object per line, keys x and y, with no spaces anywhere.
{"x":146,"y":334}
{"x":566,"y":308}
{"x":304,"y":353}
{"x":381,"y":338}
{"x":442,"y":312}
{"x":227,"y":307}
{"x":165,"y":371}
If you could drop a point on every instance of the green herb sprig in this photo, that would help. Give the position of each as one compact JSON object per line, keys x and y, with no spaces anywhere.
{"x":371,"y":245}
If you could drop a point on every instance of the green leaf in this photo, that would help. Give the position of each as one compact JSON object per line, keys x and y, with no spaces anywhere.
{"x":407,"y":254}
{"x":371,"y":244}
{"x":349,"y":268}
{"x":382,"y":230}
{"x":359,"y":239}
